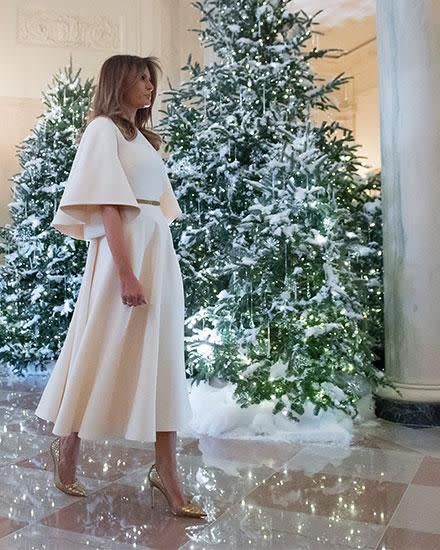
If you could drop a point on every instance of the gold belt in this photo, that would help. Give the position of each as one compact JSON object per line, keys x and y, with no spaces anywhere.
{"x":146,"y":201}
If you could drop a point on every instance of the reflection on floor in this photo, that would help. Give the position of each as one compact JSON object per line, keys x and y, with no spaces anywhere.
{"x":383,"y":492}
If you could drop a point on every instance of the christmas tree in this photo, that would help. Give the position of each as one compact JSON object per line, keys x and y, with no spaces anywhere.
{"x":275,"y":243}
{"x":41,"y":276}
{"x":366,"y":220}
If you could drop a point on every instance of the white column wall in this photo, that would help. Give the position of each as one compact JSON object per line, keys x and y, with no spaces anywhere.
{"x":409,"y":70}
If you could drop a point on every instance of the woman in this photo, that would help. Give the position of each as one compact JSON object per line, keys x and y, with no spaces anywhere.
{"x":121,"y":370}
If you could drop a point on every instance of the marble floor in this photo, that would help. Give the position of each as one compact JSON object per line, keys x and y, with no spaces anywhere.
{"x":383,"y":492}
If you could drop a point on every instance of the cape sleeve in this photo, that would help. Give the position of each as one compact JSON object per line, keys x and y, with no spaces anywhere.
{"x":96,"y":178}
{"x":168,"y":202}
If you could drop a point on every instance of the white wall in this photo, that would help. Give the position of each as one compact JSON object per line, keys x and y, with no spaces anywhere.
{"x":358,"y":100}
{"x":367,"y":126}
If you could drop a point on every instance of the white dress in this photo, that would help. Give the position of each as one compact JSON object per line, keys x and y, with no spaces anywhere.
{"x":121,"y":369}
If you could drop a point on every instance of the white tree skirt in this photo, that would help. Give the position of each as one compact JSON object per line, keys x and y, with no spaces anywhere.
{"x":217,"y":414}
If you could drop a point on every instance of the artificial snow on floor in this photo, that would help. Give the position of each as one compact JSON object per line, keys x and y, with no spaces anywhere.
{"x":217,"y":414}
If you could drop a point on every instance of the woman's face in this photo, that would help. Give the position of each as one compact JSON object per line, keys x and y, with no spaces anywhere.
{"x":139,"y":95}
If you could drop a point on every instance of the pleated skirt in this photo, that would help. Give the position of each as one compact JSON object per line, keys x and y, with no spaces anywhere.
{"x":121,"y":370}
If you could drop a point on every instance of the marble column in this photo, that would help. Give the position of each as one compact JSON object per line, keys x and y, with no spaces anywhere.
{"x":408,"y":34}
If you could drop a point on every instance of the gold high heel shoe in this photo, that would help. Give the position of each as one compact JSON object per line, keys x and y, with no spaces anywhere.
{"x":190,"y":510}
{"x":76,"y":488}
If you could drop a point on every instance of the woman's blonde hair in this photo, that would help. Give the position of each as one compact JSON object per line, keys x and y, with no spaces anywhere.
{"x":118,"y":73}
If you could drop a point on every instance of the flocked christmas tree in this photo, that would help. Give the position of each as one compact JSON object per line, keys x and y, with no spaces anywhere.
{"x":275,"y":240}
{"x":40,"y":279}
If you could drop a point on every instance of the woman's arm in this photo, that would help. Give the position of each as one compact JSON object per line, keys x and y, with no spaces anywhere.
{"x":113,"y":230}
{"x":131,"y":289}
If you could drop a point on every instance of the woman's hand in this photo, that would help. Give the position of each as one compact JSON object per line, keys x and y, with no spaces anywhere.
{"x":132,"y":292}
